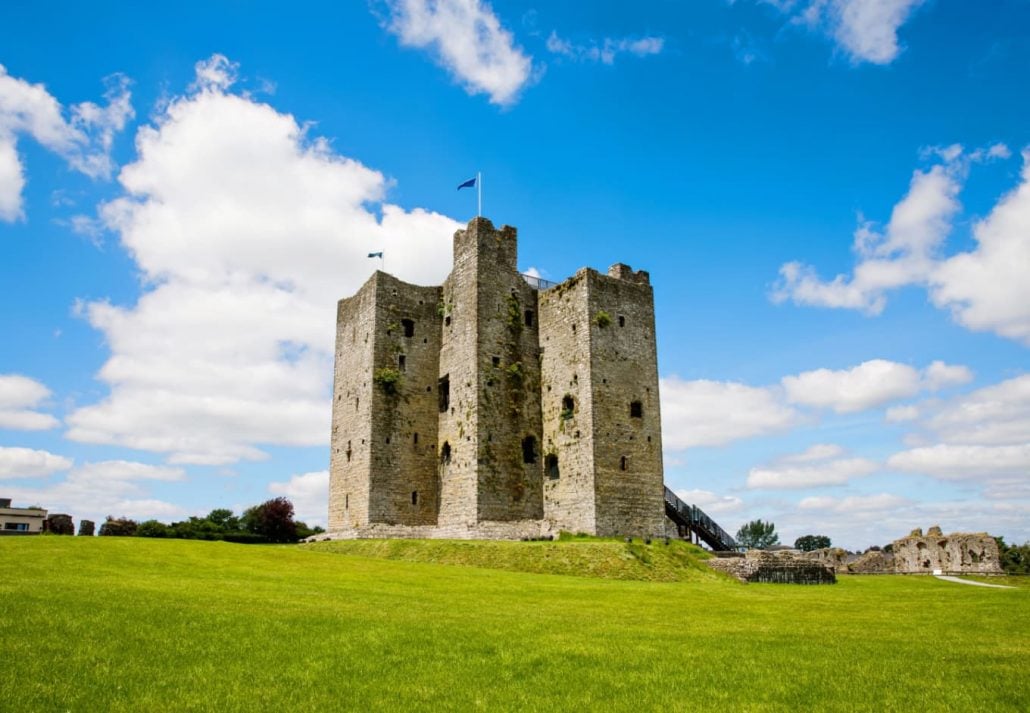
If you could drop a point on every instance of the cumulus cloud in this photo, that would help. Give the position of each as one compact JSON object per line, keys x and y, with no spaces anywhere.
{"x":605,"y":50}
{"x":819,"y":465}
{"x":95,"y":490}
{"x":713,"y":413}
{"x":866,"y":30}
{"x":960,"y":462}
{"x":853,"y":503}
{"x":20,"y":398}
{"x":986,"y":289}
{"x":246,"y":231}
{"x":82,"y":136}
{"x":30,"y":463}
{"x":983,"y":288}
{"x":468,"y":40}
{"x":870,"y":384}
{"x":711,"y":502}
{"x":309,"y":494}
{"x":981,"y":437}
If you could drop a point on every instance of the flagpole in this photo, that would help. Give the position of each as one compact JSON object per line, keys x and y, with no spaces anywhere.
{"x":479,"y":188}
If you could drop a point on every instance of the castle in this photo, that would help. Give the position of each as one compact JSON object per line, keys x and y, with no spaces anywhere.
{"x":496,"y":406}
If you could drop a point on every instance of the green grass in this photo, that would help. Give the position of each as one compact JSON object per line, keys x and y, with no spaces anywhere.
{"x":117,"y":624}
{"x":574,"y":556}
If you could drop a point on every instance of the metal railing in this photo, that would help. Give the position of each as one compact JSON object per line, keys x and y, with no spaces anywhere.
{"x":537,"y":283}
{"x":694,"y":518}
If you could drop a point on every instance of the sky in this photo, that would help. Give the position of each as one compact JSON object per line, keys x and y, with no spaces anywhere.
{"x":832,"y":198}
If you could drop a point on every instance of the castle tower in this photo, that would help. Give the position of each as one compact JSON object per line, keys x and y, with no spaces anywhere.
{"x":484,"y":408}
{"x":601,"y":416}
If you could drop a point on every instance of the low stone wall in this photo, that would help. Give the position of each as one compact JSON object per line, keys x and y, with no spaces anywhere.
{"x":774,"y":568}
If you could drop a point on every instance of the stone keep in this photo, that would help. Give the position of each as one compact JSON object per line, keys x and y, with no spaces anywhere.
{"x":486,"y":407}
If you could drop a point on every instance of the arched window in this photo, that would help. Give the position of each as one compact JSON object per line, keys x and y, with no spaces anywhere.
{"x":568,"y":407}
{"x":551,"y":465}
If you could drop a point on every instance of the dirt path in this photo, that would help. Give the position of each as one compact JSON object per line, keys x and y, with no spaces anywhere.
{"x":946,"y":578}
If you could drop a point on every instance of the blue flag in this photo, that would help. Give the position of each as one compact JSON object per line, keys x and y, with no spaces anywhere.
{"x":470,"y":183}
{"x":375,"y":254}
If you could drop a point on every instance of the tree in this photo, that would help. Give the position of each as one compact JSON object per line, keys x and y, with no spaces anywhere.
{"x":118,"y":527}
{"x":808,"y":543}
{"x":1015,"y":559}
{"x":86,"y":528}
{"x":59,"y":524}
{"x":152,"y":528}
{"x":224,"y":520}
{"x":272,"y":519}
{"x":757,"y":535}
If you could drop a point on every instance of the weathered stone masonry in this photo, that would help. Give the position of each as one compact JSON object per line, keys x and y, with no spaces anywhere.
{"x":488,"y":408}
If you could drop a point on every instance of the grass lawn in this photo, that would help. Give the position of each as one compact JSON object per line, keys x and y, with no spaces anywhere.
{"x":125,"y":624}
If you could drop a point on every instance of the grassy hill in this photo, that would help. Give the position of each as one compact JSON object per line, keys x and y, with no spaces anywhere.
{"x":131,"y":624}
{"x":574,"y":556}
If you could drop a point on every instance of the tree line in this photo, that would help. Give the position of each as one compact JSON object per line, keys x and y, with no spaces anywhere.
{"x":271,"y":521}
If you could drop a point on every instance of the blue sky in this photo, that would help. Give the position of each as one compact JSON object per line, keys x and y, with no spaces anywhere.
{"x":831,"y":196}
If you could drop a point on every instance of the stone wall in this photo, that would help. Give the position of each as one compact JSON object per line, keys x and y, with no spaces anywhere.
{"x":774,"y":568}
{"x":957,"y":553}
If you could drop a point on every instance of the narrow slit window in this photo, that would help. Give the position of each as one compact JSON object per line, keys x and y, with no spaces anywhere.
{"x":402,"y":362}
{"x":622,"y":321}
{"x":529,"y":449}
{"x":636,"y":410}
{"x":551,"y":465}
{"x":415,"y":438}
{"x":445,"y":454}
{"x":622,"y":463}
{"x":414,"y":497}
{"x":444,"y":393}
{"x":529,"y":317}
{"x":409,"y":327}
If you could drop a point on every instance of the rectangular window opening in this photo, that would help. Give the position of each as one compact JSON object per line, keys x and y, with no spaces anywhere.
{"x":409,"y":327}
{"x":529,"y":318}
{"x":444,"y":393}
{"x":402,"y":362}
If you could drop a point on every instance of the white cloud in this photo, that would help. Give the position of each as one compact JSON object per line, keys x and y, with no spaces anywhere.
{"x":713,"y":413}
{"x":83,"y":140}
{"x":901,"y":255}
{"x":711,"y":502}
{"x":897,"y":414}
{"x":964,"y":462}
{"x":867,"y":30}
{"x":870,"y":384}
{"x":246,"y":231}
{"x":817,"y":466}
{"x":994,"y":415}
{"x":606,"y":50}
{"x":853,"y":503}
{"x":309,"y":494}
{"x":20,"y":396}
{"x":95,"y":490}
{"x":468,"y":40}
{"x":29,"y":463}
{"x":984,"y":289}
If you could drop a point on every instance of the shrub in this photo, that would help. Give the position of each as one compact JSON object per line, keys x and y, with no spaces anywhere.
{"x":118,"y":527}
{"x":387,"y":379}
{"x":602,"y":319}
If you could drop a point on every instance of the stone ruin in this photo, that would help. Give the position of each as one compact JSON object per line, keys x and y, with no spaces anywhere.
{"x":782,"y":567}
{"x":957,"y":553}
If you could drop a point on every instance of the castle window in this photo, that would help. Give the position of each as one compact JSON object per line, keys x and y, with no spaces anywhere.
{"x":445,"y":453}
{"x":444,"y":392}
{"x":636,"y":410}
{"x":414,"y":497}
{"x":447,"y":320}
{"x":357,"y":402}
{"x":622,"y":463}
{"x":622,"y":321}
{"x":348,"y":451}
{"x":529,"y":318}
{"x":415,"y":439}
{"x":409,"y":327}
{"x":568,"y":407}
{"x":346,"y":501}
{"x":496,"y":361}
{"x":402,"y":362}
{"x":551,"y":465}
{"x":529,"y":449}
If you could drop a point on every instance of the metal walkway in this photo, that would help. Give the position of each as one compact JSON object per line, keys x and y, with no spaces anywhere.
{"x":692,"y":519}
